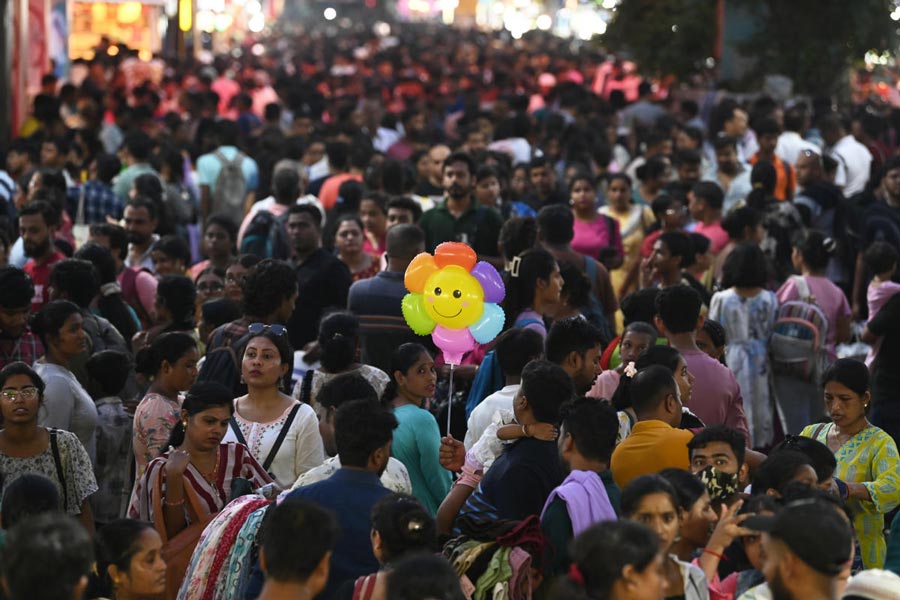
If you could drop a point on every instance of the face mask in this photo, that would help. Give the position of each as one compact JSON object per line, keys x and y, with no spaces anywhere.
{"x":721,"y":486}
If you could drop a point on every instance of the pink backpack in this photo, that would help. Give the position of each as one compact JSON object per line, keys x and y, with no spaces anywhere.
{"x":797,"y":343}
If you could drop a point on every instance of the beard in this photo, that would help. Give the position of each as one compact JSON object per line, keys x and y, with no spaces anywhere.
{"x":137,"y":238}
{"x":35,"y":250}
{"x":457,"y":192}
{"x":779,"y":589}
{"x":728,"y":168}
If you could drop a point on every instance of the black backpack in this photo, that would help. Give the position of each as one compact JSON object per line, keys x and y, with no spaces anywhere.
{"x":266,"y":237}
{"x":223,"y":363}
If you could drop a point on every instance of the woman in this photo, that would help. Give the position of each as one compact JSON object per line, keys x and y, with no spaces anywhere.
{"x":28,"y":448}
{"x":867,"y":459}
{"x":615,"y":560}
{"x":129,"y":564}
{"x":742,"y":225}
{"x":652,"y":501}
{"x":781,"y":469}
{"x":533,"y":286}
{"x":68,"y":405}
{"x":171,"y":256}
{"x":339,"y":343}
{"x":596,"y":235}
{"x":634,"y":220}
{"x":170,"y":363}
{"x":348,"y":243}
{"x":670,"y":214}
{"x":175,"y":309}
{"x":400,"y":528}
{"x":575,"y":295}
{"x":210,"y":285}
{"x":235,"y":275}
{"x":281,"y":433}
{"x":110,"y":304}
{"x":746,"y":309}
{"x":653,"y":175}
{"x":373,"y":214}
{"x":698,"y":518}
{"x":811,"y":254}
{"x":195,"y":475}
{"x":417,"y":440}
{"x":667,"y":357}
{"x":711,"y":339}
{"x":219,"y":239}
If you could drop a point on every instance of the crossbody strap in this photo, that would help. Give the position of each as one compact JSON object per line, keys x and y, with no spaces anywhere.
{"x":818,"y":430}
{"x":60,"y":474}
{"x":237,"y":431}
{"x":306,"y":387}
{"x":280,"y":439}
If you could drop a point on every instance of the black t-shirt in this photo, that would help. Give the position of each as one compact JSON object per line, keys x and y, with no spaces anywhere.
{"x":323,"y":282}
{"x":886,"y":376}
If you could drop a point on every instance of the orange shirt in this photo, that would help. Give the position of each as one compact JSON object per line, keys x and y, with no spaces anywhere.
{"x":651,"y":447}
{"x":786,"y":179}
{"x":328,"y":195}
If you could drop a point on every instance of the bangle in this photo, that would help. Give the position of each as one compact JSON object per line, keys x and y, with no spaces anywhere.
{"x":716,"y":554}
{"x":525,"y":431}
{"x":179,"y":503}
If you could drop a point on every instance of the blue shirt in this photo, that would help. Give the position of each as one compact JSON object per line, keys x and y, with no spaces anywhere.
{"x":100,"y":201}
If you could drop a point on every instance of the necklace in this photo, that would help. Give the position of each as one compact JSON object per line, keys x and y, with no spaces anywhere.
{"x":213,"y":475}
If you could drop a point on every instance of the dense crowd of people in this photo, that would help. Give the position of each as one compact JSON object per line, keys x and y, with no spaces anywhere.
{"x":208,"y":389}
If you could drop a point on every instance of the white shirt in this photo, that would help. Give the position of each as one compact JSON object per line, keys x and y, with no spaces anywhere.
{"x":517,"y":148}
{"x":791,"y":144}
{"x":483,"y":414}
{"x":394,"y":478}
{"x":854,"y":161}
{"x":67,"y":405}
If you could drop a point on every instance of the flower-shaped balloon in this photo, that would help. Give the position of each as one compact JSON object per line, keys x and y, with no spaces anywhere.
{"x":454,"y":298}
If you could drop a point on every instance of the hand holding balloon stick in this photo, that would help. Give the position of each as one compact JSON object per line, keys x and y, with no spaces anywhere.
{"x":454,"y":298}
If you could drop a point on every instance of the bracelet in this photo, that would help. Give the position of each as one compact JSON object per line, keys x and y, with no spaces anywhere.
{"x":716,"y":554}
{"x":525,"y":430}
{"x":179,"y":503}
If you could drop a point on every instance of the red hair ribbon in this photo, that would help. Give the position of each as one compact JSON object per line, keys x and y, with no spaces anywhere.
{"x":575,"y":574}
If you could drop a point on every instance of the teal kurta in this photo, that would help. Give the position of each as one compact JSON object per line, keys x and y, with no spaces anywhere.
{"x":417,"y":442}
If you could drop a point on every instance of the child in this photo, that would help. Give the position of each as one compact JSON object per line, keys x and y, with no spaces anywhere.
{"x":637,"y":338}
{"x":109,"y":370}
{"x":881,"y":259}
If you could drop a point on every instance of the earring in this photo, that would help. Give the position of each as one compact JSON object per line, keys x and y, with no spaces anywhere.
{"x":184,"y":423}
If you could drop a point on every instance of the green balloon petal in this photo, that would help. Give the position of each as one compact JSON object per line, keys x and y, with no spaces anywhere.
{"x":413,"y":307}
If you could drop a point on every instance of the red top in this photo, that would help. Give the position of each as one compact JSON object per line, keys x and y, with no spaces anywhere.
{"x":40,"y":275}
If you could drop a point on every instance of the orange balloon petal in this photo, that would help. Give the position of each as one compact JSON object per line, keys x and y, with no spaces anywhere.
{"x":455,"y":253}
{"x":418,"y":272}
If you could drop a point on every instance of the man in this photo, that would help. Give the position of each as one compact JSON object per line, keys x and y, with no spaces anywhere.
{"x":790,"y":142}
{"x":768,"y":132}
{"x":141,"y":220}
{"x":38,"y":222}
{"x":806,"y":546}
{"x":657,"y":143}
{"x":459,"y":218}
{"x":324,"y":281}
{"x":515,"y":348}
{"x":576,"y":346}
{"x":48,"y":556}
{"x":376,"y":301}
{"x":730,"y":120}
{"x":138,"y":285}
{"x":521,"y":479}
{"x":334,"y":394}
{"x":231,"y":202}
{"x":854,"y":159}
{"x":644,"y":112}
{"x":415,"y":126}
{"x":705,"y":205}
{"x":588,"y":495}
{"x":270,"y":293}
{"x":135,"y":153}
{"x":655,"y":442}
{"x":100,"y":201}
{"x":556,"y":228}
{"x":717,"y":455}
{"x":292,"y":570}
{"x":732,"y":175}
{"x":543,"y":182}
{"x":688,"y":166}
{"x":346,"y":163}
{"x":403,"y":210}
{"x":363,"y":432}
{"x":17,"y":342}
{"x":716,"y":396}
{"x":21,"y":158}
{"x":433,"y":185}
{"x":286,"y":189}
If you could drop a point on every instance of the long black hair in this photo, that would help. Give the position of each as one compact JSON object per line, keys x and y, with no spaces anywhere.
{"x":521,"y":281}
{"x":665,"y":356}
{"x":402,"y":360}
{"x":202,"y":396}
{"x":168,"y":347}
{"x":115,"y":544}
{"x":111,"y":304}
{"x":338,"y":338}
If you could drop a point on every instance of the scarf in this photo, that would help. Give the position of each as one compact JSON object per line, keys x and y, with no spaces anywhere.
{"x":586,"y":500}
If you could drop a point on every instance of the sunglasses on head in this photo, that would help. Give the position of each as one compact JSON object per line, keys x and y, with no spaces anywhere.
{"x":258,"y":328}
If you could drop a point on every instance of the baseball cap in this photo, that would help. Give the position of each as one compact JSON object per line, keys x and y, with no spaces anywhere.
{"x":874,"y":584}
{"x":813,"y":529}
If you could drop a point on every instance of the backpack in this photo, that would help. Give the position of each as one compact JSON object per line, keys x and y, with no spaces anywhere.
{"x":223,"y":362}
{"x":797,"y":343}
{"x":230,"y":189}
{"x":266,"y":237}
{"x":593,"y":312}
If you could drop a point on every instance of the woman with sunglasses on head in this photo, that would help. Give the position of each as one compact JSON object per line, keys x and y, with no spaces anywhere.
{"x":170,"y":363}
{"x":26,"y":447}
{"x":281,"y":433}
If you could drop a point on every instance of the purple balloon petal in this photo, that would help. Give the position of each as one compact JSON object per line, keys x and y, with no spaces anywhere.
{"x":490,"y":281}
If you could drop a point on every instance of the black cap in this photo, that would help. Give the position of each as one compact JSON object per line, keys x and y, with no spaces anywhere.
{"x":814,"y":530}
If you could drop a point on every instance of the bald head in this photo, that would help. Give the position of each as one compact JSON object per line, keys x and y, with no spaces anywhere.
{"x":438,"y":154}
{"x":809,"y":167}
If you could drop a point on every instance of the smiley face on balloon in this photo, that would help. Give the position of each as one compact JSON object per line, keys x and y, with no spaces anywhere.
{"x":454,"y":298}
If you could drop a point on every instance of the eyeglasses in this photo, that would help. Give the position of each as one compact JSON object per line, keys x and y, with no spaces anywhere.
{"x":26,"y":393}
{"x":258,"y":328}
{"x":233,"y":279}
{"x":210,"y":287}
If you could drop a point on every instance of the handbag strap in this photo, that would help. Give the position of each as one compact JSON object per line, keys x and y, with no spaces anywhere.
{"x":60,"y":474}
{"x":280,"y":439}
{"x":79,"y":215}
